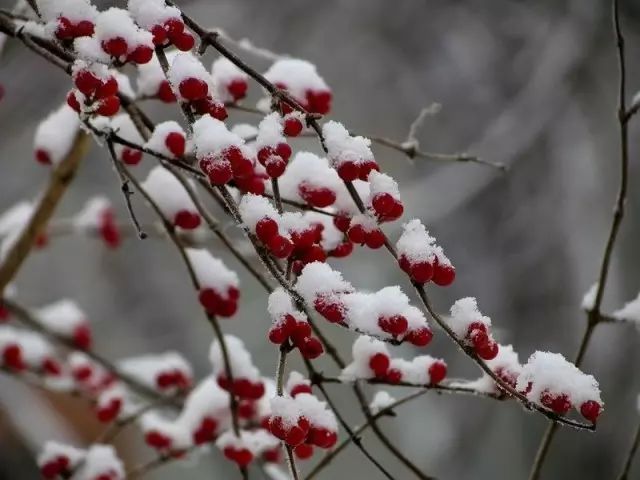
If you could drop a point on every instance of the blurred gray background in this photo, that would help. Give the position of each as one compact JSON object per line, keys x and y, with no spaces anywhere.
{"x":529,"y":84}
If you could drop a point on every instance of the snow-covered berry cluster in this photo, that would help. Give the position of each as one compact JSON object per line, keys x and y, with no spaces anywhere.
{"x":66,"y":319}
{"x":311,"y":180}
{"x":548,"y":379}
{"x":68,"y":19}
{"x":371,"y":360}
{"x":168,"y":138}
{"x":301,"y":80}
{"x":167,"y":372}
{"x":96,"y":89}
{"x":351,"y":156}
{"x":231,"y":82}
{"x":97,"y":215}
{"x":124,"y":127}
{"x":272,"y":147}
{"x":219,"y":286}
{"x":163,"y":21}
{"x":98,"y":462}
{"x":55,"y":135}
{"x":291,"y":324}
{"x":421,"y":258}
{"x":469,"y":325}
{"x":25,"y":350}
{"x":251,"y":444}
{"x":246,"y":383}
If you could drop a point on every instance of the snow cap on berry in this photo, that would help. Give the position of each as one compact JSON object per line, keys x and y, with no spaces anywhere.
{"x":55,"y":135}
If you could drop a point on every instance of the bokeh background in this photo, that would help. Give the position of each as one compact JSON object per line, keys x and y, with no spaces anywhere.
{"x":529,"y":84}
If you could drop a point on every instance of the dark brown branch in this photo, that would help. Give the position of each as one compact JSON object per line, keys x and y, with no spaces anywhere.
{"x":626,"y":468}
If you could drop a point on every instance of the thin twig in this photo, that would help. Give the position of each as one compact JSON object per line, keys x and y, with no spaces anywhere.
{"x":626,"y":468}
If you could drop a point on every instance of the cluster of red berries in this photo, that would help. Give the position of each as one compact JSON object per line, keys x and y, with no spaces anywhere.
{"x":274,"y":158}
{"x":242,"y":456}
{"x":363,"y":233}
{"x":56,"y":467}
{"x":242,"y":388}
{"x":224,"y":304}
{"x":231,"y":163}
{"x":299,"y":333}
{"x":560,"y":403}
{"x":479,"y":337}
{"x":119,"y":48}
{"x":350,"y":170}
{"x":187,"y":219}
{"x":386,"y":207}
{"x":316,"y":195}
{"x":196,"y":92}
{"x":302,"y":432}
{"x":316,"y":101}
{"x":68,"y":30}
{"x":439,"y":272}
{"x":101,"y":94}
{"x":107,"y":411}
{"x":173,"y":32}
{"x":173,"y":378}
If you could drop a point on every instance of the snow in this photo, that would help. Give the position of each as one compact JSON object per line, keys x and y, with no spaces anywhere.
{"x":381,"y":400}
{"x":552,"y":372}
{"x":308,"y":169}
{"x":240,"y":360}
{"x":254,"y":208}
{"x":148,"y":13}
{"x":629,"y":312}
{"x":316,"y":411}
{"x":124,"y":127}
{"x":124,"y":84}
{"x":296,"y":379}
{"x":52,"y":450}
{"x":287,"y":408}
{"x":186,"y":65}
{"x":15,"y":218}
{"x":383,"y":183}
{"x":362,"y":350}
{"x":92,"y":213}
{"x":342,"y":147}
{"x":298,"y":76}
{"x":35,"y":348}
{"x":415,"y":243}
{"x":101,"y":460}
{"x":150,"y":75}
{"x":74,"y":10}
{"x":62,"y":317}
{"x":56,"y":133}
{"x":168,"y":193}
{"x":317,"y":278}
{"x":245,"y":130}
{"x":212,"y":272}
{"x":157,"y":140}
{"x":207,"y":399}
{"x":116,"y":22}
{"x":589,"y":298}
{"x":331,"y":236}
{"x":178,"y":433}
{"x":280,"y":304}
{"x":345,"y":204}
{"x":464,"y":312}
{"x":147,"y":368}
{"x":89,"y":49}
{"x":224,"y":71}
{"x":211,"y":137}
{"x":270,"y":131}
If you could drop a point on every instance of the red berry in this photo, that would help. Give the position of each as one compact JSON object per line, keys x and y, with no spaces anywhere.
{"x":266,"y":229}
{"x":271,"y":455}
{"x":394,"y":376}
{"x":292,"y":126}
{"x":322,"y":437}
{"x":379,"y":363}
{"x":342,"y":250}
{"x":387,"y":207}
{"x":159,"y":34}
{"x":86,"y":82}
{"x":303,"y":451}
{"x":72,"y":101}
{"x":295,"y":436}
{"x":193,"y":88}
{"x":174,"y":26}
{"x":82,"y":338}
{"x":420,"y":337}
{"x":175,"y":143}
{"x":394,"y":325}
{"x":310,"y":348}
{"x":12,"y":357}
{"x":316,"y":196}
{"x":42,"y":157}
{"x":275,"y":166}
{"x":591,"y":410}
{"x":300,"y":388}
{"x":141,"y":54}
{"x":374,"y":239}
{"x":421,"y":272}
{"x":165,"y":92}
{"x":558,"y":402}
{"x":357,"y":234}
{"x":107,"y":88}
{"x":297,"y":330}
{"x":280,"y":247}
{"x":443,"y":275}
{"x":489,"y":351}
{"x":84,"y":28}
{"x":51,"y":367}
{"x":348,"y":171}
{"x":183,"y":42}
{"x":278,"y":334}
{"x":219,"y":172}
{"x":342,"y":222}
{"x":218,"y":111}
{"x":206,"y":432}
{"x":332,"y":311}
{"x":110,"y":411}
{"x":238,"y":89}
{"x":365,"y":169}
{"x":283,"y":150}
{"x":65,"y":29}
{"x":130,"y":156}
{"x":157,"y":440}
{"x":116,"y":47}
{"x":187,"y":220}
{"x":437,"y":372}
{"x":314,"y":253}
{"x":109,"y":106}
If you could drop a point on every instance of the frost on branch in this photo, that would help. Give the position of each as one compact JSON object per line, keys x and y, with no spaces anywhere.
{"x":97,"y":215}
{"x":548,"y":379}
{"x":301,"y":80}
{"x":291,"y":324}
{"x":421,"y":258}
{"x":55,"y":136}
{"x":589,"y":298}
{"x":231,"y":83}
{"x":247,"y":382}
{"x":371,"y":360}
{"x":473,"y":328}
{"x":219,"y":286}
{"x":350,"y":156}
{"x":630,"y":312}
{"x":194,"y":86}
{"x":65,"y":318}
{"x":172,"y":198}
{"x":163,"y":21}
{"x":168,"y":138}
{"x":386,"y":313}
